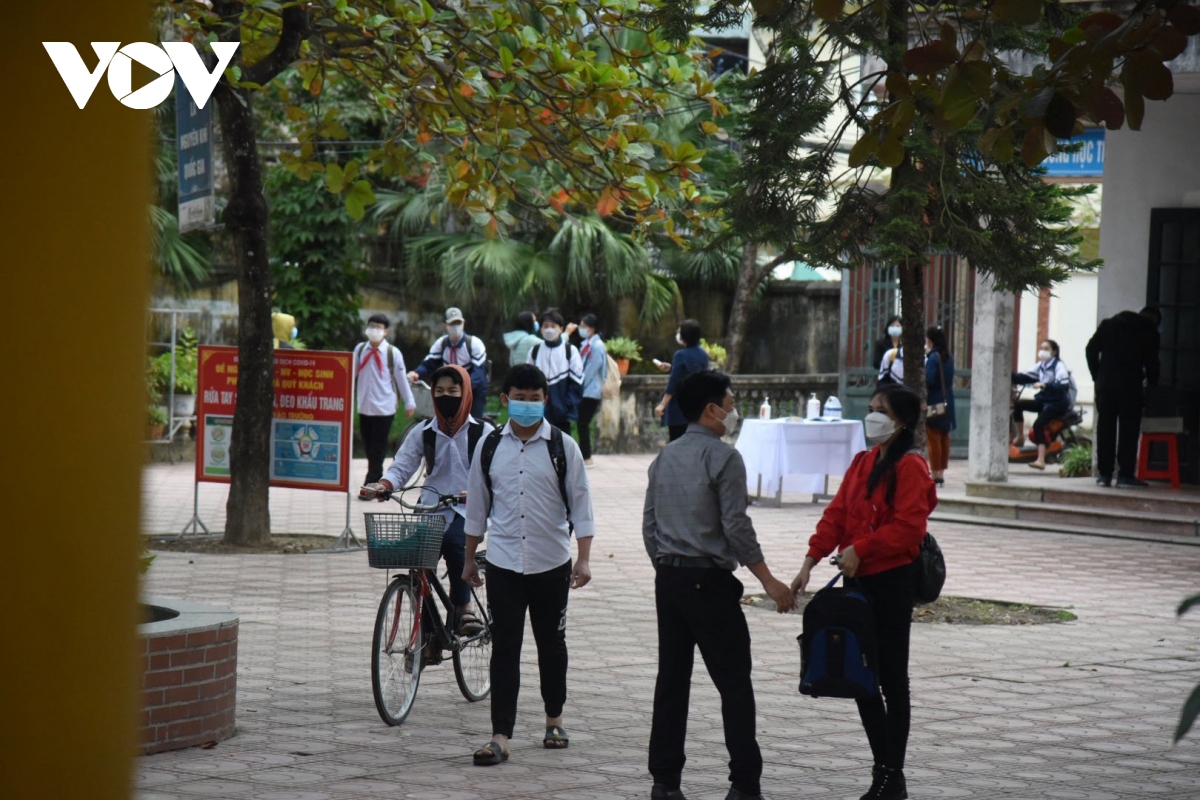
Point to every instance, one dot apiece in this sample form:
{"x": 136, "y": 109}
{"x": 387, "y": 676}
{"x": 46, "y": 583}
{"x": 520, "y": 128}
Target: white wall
{"x": 1156, "y": 167}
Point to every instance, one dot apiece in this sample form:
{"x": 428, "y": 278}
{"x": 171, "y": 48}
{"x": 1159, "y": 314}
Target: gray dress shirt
{"x": 696, "y": 502}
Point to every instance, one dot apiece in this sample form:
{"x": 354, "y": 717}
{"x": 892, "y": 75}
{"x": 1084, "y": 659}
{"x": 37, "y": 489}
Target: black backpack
{"x": 558, "y": 457}
{"x": 474, "y": 432}
{"x": 838, "y": 650}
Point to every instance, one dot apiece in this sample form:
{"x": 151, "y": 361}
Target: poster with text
{"x": 310, "y": 422}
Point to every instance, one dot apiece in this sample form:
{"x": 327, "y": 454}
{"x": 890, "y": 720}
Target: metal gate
{"x": 870, "y": 295}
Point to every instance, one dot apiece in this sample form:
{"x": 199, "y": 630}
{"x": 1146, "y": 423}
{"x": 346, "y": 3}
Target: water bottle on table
{"x": 833, "y": 408}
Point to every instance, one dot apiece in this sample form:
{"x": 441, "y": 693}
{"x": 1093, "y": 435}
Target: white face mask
{"x": 551, "y": 334}
{"x": 730, "y": 422}
{"x": 586, "y": 333}
{"x": 455, "y": 331}
{"x": 1043, "y": 355}
{"x": 879, "y": 427}
{"x": 895, "y": 331}
{"x": 679, "y": 339}
{"x": 375, "y": 335}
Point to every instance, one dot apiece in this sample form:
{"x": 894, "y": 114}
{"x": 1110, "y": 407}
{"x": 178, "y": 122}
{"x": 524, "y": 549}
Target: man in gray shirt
{"x": 697, "y": 533}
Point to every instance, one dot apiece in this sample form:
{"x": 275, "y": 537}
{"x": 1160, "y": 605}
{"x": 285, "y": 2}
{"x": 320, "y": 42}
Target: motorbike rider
{"x": 1052, "y": 379}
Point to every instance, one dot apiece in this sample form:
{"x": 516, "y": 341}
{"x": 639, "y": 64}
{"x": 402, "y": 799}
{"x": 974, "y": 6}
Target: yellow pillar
{"x": 75, "y": 241}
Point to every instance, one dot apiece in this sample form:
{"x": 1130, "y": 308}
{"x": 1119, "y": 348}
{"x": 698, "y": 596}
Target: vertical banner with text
{"x": 194, "y": 129}
{"x": 310, "y": 423}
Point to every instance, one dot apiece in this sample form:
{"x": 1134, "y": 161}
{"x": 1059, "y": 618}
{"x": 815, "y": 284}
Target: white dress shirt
{"x": 376, "y": 389}
{"x": 527, "y": 528}
{"x": 450, "y": 467}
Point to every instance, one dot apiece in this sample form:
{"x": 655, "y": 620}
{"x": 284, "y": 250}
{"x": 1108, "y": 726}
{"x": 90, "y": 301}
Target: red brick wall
{"x": 189, "y": 688}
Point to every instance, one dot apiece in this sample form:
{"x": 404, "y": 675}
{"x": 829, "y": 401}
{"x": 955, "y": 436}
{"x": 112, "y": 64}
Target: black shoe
{"x": 1104, "y": 480}
{"x": 661, "y": 792}
{"x": 886, "y": 784}
{"x": 1130, "y": 483}
{"x": 735, "y": 794}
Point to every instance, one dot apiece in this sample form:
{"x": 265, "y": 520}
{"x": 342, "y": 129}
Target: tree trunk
{"x": 749, "y": 277}
{"x": 248, "y": 519}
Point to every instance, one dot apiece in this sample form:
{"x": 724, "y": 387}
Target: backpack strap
{"x": 558, "y": 457}
{"x": 430, "y": 442}
{"x": 533, "y": 353}
{"x": 474, "y": 434}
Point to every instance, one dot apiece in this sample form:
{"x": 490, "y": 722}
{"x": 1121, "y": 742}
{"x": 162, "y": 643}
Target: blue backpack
{"x": 838, "y": 656}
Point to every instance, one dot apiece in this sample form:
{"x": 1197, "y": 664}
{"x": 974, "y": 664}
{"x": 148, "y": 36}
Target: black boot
{"x": 661, "y": 792}
{"x": 886, "y": 784}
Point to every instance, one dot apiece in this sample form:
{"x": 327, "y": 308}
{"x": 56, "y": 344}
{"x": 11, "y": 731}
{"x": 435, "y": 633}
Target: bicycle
{"x": 409, "y": 634}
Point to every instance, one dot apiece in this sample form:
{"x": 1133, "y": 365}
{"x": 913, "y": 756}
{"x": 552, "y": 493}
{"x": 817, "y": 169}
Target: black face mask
{"x": 448, "y": 406}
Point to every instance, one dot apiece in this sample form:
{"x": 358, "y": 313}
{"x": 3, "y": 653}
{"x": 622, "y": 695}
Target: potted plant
{"x": 156, "y": 422}
{"x": 716, "y": 354}
{"x": 1076, "y": 462}
{"x": 623, "y": 350}
{"x": 186, "y": 372}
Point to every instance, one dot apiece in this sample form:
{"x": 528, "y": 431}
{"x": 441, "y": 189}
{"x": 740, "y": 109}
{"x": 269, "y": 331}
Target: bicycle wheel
{"x": 419, "y": 473}
{"x": 472, "y": 661}
{"x": 396, "y": 652}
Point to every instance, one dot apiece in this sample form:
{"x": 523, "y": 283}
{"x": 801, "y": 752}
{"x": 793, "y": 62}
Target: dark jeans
{"x": 454, "y": 551}
{"x": 886, "y": 719}
{"x": 478, "y": 405}
{"x": 588, "y": 407}
{"x": 701, "y": 607}
{"x": 375, "y": 431}
{"x": 1045, "y": 412}
{"x": 675, "y": 431}
{"x": 1118, "y": 425}
{"x": 509, "y": 594}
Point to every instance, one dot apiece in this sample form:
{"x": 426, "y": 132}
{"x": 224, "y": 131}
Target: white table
{"x": 797, "y": 455}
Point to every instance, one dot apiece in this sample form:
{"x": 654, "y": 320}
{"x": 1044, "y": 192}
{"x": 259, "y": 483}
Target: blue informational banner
{"x": 193, "y": 127}
{"x": 1087, "y": 162}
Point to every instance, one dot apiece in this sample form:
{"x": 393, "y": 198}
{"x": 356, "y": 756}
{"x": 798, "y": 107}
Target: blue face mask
{"x": 526, "y": 413}
{"x": 536, "y": 326}
{"x": 295, "y": 332}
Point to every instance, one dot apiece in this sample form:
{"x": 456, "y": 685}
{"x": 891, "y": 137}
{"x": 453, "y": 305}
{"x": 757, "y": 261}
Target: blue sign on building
{"x": 1087, "y": 162}
{"x": 193, "y": 127}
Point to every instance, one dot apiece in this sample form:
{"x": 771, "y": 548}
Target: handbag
{"x": 929, "y": 572}
{"x": 938, "y": 410}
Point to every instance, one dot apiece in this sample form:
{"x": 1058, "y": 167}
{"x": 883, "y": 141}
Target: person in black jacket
{"x": 1121, "y": 355}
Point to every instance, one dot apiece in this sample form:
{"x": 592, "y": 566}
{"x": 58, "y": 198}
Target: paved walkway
{"x": 1077, "y": 710}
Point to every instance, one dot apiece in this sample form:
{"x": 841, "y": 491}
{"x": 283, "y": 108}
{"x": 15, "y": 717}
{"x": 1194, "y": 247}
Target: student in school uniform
{"x": 560, "y": 362}
{"x": 444, "y": 444}
{"x": 528, "y": 490}
{"x": 459, "y": 347}
{"x": 379, "y": 373}
{"x": 595, "y": 371}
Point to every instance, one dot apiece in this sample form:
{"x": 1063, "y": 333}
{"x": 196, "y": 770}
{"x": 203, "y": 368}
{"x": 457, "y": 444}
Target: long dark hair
{"x": 906, "y": 409}
{"x": 937, "y": 338}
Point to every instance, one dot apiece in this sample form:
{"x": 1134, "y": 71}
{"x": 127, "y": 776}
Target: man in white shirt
{"x": 528, "y": 490}
{"x": 446, "y": 441}
{"x": 468, "y": 352}
{"x": 379, "y": 371}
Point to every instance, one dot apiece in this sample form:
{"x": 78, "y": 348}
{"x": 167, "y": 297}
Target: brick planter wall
{"x": 189, "y": 677}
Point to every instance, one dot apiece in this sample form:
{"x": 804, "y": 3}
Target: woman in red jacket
{"x": 876, "y": 523}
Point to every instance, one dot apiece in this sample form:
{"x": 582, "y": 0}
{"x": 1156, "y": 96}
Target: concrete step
{"x": 1057, "y": 516}
{"x": 1083, "y": 492}
{"x": 1015, "y": 524}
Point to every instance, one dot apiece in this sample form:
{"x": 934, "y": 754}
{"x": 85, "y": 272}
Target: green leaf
{"x": 862, "y": 150}
{"x": 891, "y": 153}
{"x": 506, "y": 59}
{"x": 829, "y": 10}
{"x": 1191, "y": 709}
{"x": 335, "y": 178}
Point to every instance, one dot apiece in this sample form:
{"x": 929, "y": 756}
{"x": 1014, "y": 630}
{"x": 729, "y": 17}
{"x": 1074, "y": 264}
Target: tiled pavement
{"x": 1078, "y": 710}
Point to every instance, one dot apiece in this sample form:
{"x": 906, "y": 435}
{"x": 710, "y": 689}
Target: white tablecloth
{"x": 799, "y": 453}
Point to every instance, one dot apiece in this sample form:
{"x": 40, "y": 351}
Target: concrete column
{"x": 991, "y": 373}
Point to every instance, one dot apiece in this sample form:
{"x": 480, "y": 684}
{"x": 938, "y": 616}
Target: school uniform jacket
{"x": 883, "y": 536}
{"x": 563, "y": 368}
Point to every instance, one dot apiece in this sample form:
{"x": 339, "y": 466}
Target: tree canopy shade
{"x": 476, "y": 92}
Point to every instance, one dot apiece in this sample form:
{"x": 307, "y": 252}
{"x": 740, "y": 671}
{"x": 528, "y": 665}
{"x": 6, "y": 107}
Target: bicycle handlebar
{"x": 444, "y": 501}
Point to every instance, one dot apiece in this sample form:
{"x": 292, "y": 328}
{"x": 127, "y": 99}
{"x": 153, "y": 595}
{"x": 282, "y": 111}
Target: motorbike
{"x": 1063, "y": 433}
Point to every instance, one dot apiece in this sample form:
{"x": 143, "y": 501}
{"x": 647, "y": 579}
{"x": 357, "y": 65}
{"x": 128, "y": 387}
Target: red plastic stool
{"x": 1171, "y": 473}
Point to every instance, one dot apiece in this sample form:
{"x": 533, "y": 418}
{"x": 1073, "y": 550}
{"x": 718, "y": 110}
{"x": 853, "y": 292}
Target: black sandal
{"x": 469, "y": 624}
{"x": 556, "y": 738}
{"x": 496, "y": 755}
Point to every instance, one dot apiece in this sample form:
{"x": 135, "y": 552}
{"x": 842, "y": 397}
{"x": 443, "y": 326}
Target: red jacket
{"x": 884, "y": 537}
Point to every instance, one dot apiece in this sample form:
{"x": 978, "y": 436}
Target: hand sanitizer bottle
{"x": 814, "y": 407}
{"x": 764, "y": 411}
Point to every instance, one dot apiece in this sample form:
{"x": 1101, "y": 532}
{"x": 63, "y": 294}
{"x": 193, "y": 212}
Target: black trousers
{"x": 1045, "y": 412}
{"x": 588, "y": 407}
{"x": 675, "y": 431}
{"x": 375, "y": 431}
{"x": 886, "y": 719}
{"x": 700, "y": 607}
{"x": 544, "y": 595}
{"x": 1118, "y": 425}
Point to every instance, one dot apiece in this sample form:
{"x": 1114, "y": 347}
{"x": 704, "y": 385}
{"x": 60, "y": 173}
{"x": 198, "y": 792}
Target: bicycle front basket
{"x": 404, "y": 541}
